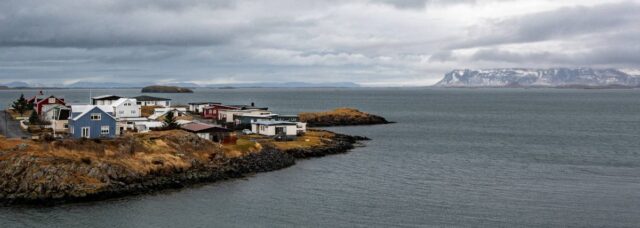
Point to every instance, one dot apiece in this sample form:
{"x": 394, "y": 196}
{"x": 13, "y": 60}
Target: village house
{"x": 58, "y": 116}
{"x": 104, "y": 99}
{"x": 211, "y": 112}
{"x": 126, "y": 108}
{"x": 210, "y": 132}
{"x": 92, "y": 121}
{"x": 227, "y": 116}
{"x": 284, "y": 129}
{"x": 153, "y": 101}
{"x": 40, "y": 103}
{"x": 198, "y": 107}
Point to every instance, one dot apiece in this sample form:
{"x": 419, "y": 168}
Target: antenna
{"x": 90, "y": 101}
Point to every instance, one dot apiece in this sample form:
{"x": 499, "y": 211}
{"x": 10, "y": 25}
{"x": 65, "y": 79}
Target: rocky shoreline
{"x": 122, "y": 182}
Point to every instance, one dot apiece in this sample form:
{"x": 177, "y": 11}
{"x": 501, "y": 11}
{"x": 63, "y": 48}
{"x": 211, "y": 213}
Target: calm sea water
{"x": 456, "y": 157}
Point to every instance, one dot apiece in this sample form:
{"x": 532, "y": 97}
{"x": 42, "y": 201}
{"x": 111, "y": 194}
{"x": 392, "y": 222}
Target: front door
{"x": 85, "y": 132}
{"x": 280, "y": 130}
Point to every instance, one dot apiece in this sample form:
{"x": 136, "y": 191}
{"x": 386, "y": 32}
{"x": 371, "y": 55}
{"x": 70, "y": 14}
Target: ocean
{"x": 455, "y": 158}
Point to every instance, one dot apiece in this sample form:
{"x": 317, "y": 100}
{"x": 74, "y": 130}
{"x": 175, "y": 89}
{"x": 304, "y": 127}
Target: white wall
{"x": 129, "y": 108}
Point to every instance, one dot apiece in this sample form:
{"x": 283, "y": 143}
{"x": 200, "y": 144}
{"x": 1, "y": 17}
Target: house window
{"x": 121, "y": 112}
{"x": 66, "y": 126}
{"x": 133, "y": 111}
{"x": 104, "y": 130}
{"x": 85, "y": 133}
{"x": 96, "y": 116}
{"x": 52, "y": 100}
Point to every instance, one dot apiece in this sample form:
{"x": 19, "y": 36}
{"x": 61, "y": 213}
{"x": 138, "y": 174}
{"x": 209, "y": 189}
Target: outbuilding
{"x": 275, "y": 128}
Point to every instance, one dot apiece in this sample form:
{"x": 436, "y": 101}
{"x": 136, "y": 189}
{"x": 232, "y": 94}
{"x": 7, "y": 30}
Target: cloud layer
{"x": 374, "y": 42}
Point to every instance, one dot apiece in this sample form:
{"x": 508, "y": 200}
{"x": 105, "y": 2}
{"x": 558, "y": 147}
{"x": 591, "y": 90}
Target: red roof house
{"x": 45, "y": 101}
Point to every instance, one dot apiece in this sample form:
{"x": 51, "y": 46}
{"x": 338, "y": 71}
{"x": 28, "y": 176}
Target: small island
{"x": 71, "y": 170}
{"x": 165, "y": 89}
{"x": 341, "y": 117}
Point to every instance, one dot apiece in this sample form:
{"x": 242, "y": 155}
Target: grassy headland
{"x": 340, "y": 117}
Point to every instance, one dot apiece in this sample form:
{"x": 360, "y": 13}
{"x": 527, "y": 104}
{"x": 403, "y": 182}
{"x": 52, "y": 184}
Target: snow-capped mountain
{"x": 553, "y": 77}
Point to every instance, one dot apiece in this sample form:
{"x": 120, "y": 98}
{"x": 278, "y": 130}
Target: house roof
{"x": 46, "y": 99}
{"x": 122, "y": 100}
{"x": 84, "y": 109}
{"x": 159, "y": 114}
{"x": 201, "y": 127}
{"x": 273, "y": 123}
{"x": 106, "y": 97}
{"x": 150, "y": 98}
{"x": 251, "y": 115}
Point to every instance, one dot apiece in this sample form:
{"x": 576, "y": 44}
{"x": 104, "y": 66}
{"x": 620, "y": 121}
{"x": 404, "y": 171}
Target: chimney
{"x": 252, "y": 104}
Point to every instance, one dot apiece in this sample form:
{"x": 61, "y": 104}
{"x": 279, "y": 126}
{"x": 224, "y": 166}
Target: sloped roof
{"x": 50, "y": 107}
{"x": 200, "y": 127}
{"x": 106, "y": 97}
{"x": 122, "y": 100}
{"x": 84, "y": 109}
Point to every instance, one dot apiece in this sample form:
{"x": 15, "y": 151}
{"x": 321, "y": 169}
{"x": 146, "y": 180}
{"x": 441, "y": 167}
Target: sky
{"x": 370, "y": 42}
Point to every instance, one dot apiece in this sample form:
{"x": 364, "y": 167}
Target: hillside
{"x": 553, "y": 77}
{"x": 165, "y": 89}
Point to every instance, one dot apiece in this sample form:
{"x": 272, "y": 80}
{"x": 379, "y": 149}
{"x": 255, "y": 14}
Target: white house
{"x": 126, "y": 108}
{"x": 159, "y": 113}
{"x": 153, "y": 101}
{"x": 58, "y": 116}
{"x": 228, "y": 116}
{"x": 146, "y": 126}
{"x": 197, "y": 107}
{"x": 275, "y": 128}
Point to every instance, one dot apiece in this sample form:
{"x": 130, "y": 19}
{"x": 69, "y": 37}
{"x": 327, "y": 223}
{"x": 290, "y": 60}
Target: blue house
{"x": 92, "y": 121}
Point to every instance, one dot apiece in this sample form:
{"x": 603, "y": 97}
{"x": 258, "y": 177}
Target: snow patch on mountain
{"x": 527, "y": 77}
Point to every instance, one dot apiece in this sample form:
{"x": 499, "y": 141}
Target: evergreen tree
{"x": 21, "y": 105}
{"x": 170, "y": 121}
{"x": 34, "y": 118}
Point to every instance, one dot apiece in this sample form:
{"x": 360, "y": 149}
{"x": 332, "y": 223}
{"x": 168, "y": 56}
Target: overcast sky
{"x": 371, "y": 42}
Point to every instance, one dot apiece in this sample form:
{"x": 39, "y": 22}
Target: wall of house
{"x": 103, "y": 102}
{"x": 130, "y": 108}
{"x": 47, "y": 101}
{"x": 75, "y": 126}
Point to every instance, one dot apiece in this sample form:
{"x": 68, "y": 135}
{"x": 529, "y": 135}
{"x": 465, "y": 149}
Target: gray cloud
{"x": 367, "y": 41}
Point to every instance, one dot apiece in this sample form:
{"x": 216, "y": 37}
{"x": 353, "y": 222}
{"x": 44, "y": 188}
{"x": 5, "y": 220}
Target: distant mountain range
{"x": 83, "y": 84}
{"x": 552, "y": 77}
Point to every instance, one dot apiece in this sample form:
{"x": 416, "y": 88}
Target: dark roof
{"x": 150, "y": 98}
{"x": 199, "y": 103}
{"x": 106, "y": 97}
{"x": 199, "y": 127}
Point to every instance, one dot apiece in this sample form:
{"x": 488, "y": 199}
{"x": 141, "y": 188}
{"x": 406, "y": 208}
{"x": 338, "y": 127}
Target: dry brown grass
{"x": 309, "y": 139}
{"x": 146, "y": 111}
{"x": 338, "y": 112}
{"x": 243, "y": 146}
{"x": 135, "y": 152}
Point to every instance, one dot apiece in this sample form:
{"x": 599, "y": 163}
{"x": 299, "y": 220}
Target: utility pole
{"x": 6, "y": 133}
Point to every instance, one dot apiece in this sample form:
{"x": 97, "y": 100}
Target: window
{"x": 133, "y": 111}
{"x": 104, "y": 130}
{"x": 96, "y": 116}
{"x": 121, "y": 112}
{"x": 66, "y": 126}
{"x": 52, "y": 100}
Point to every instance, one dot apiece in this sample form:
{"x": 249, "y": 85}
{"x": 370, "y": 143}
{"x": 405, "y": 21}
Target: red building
{"x": 211, "y": 112}
{"x": 39, "y": 103}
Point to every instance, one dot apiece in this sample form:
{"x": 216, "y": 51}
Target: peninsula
{"x": 71, "y": 170}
